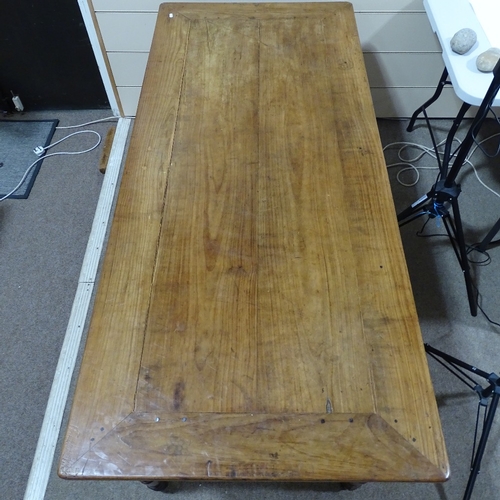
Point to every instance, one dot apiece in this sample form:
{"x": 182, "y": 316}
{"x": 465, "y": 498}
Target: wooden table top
{"x": 254, "y": 317}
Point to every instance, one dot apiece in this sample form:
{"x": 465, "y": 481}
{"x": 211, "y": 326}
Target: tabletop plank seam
{"x": 162, "y": 217}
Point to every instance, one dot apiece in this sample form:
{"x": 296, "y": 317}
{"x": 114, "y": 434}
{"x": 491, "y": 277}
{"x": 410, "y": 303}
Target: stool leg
{"x": 483, "y": 246}
{"x": 442, "y": 82}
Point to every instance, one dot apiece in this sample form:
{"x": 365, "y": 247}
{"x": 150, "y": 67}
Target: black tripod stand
{"x": 454, "y": 365}
{"x": 444, "y": 193}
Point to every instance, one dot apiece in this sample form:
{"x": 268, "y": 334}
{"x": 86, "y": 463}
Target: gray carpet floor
{"x": 42, "y": 243}
{"x": 16, "y": 152}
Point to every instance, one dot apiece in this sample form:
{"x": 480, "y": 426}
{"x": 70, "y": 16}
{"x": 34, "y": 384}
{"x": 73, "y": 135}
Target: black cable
{"x": 474, "y": 248}
{"x": 469, "y": 248}
{"x": 478, "y": 297}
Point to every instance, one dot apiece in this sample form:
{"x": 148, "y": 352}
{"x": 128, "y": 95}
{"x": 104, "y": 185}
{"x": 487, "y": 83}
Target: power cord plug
{"x": 39, "y": 151}
{"x": 17, "y": 102}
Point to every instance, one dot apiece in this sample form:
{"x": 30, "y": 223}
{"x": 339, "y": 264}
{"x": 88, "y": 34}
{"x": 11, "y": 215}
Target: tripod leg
{"x": 487, "y": 240}
{"x": 461, "y": 252}
{"x": 414, "y": 209}
{"x": 451, "y": 135}
{"x": 484, "y": 394}
{"x": 481, "y": 446}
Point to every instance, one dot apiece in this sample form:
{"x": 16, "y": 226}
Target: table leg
{"x": 161, "y": 486}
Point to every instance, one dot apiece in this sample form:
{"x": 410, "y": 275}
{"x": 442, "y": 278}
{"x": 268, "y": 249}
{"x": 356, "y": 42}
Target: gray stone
{"x": 487, "y": 61}
{"x": 463, "y": 40}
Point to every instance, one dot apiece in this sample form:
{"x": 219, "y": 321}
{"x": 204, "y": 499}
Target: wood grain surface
{"x": 254, "y": 318}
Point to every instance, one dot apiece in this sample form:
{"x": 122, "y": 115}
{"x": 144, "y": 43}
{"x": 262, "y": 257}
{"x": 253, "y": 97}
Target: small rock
{"x": 487, "y": 61}
{"x": 463, "y": 40}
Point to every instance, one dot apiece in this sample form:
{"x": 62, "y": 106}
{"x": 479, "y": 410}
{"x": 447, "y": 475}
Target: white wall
{"x": 402, "y": 54}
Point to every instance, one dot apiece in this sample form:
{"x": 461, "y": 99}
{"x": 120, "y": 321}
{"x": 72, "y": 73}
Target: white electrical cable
{"x": 71, "y": 135}
{"x": 43, "y": 156}
{"x": 474, "y": 168}
{"x": 109, "y": 118}
{"x": 408, "y": 165}
{"x": 408, "y": 162}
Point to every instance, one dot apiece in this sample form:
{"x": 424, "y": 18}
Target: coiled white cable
{"x": 408, "y": 163}
{"x": 40, "y": 151}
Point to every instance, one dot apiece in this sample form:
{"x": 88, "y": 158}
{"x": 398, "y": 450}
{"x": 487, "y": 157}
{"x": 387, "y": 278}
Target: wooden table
{"x": 254, "y": 318}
